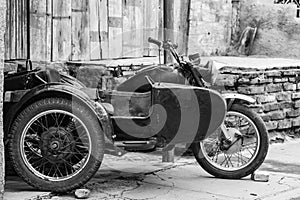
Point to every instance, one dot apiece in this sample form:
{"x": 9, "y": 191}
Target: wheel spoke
{"x": 239, "y": 154}
{"x": 56, "y": 145}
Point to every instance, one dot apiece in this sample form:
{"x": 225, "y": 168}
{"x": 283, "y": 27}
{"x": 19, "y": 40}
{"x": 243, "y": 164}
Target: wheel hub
{"x": 235, "y": 141}
{"x": 57, "y": 144}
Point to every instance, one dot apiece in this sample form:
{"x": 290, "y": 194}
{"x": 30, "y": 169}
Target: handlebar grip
{"x": 154, "y": 41}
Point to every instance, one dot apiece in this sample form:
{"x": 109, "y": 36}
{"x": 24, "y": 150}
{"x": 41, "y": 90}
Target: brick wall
{"x": 2, "y": 31}
{"x": 210, "y": 26}
{"x": 277, "y": 94}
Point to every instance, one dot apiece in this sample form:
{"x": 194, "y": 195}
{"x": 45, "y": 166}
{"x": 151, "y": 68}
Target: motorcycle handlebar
{"x": 154, "y": 41}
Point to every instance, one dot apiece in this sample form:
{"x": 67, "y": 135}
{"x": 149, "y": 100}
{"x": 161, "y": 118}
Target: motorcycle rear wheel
{"x": 56, "y": 144}
{"x": 245, "y": 155}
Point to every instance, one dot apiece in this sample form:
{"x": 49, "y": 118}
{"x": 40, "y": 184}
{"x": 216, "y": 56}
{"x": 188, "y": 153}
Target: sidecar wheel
{"x": 244, "y": 156}
{"x": 56, "y": 144}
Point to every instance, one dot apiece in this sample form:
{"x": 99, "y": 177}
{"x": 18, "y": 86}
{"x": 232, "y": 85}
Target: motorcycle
{"x": 57, "y": 130}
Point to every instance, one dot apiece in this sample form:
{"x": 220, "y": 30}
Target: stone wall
{"x": 277, "y": 94}
{"x": 210, "y": 26}
{"x": 2, "y": 31}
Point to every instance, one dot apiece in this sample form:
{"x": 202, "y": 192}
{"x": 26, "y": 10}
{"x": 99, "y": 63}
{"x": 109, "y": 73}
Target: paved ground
{"x": 140, "y": 176}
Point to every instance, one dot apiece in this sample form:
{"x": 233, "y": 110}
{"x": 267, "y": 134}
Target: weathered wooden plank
{"x": 38, "y": 42}
{"x": 183, "y": 27}
{"x": 115, "y": 28}
{"x": 37, "y": 37}
{"x": 61, "y": 8}
{"x": 95, "y": 44}
{"x": 38, "y": 6}
{"x": 103, "y": 28}
{"x": 80, "y": 36}
{"x": 80, "y": 5}
{"x": 24, "y": 33}
{"x": 13, "y": 29}
{"x": 151, "y": 24}
{"x": 61, "y": 33}
{"x": 61, "y": 42}
{"x": 8, "y": 32}
{"x": 161, "y": 20}
{"x": 20, "y": 27}
{"x": 132, "y": 28}
{"x": 49, "y": 31}
{"x": 80, "y": 30}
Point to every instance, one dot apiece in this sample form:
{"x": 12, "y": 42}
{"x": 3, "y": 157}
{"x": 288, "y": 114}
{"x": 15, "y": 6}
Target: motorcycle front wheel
{"x": 56, "y": 144}
{"x": 242, "y": 154}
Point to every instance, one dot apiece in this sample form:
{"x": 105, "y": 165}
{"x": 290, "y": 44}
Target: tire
{"x": 63, "y": 153}
{"x": 209, "y": 161}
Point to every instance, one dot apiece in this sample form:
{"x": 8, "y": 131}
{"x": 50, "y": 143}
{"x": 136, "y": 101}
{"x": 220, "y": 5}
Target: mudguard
{"x": 23, "y": 98}
{"x": 232, "y": 97}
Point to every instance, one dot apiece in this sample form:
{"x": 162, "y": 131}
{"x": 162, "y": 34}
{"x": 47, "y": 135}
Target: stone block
{"x": 274, "y": 88}
{"x": 280, "y": 80}
{"x": 274, "y": 73}
{"x": 82, "y": 193}
{"x": 290, "y": 73}
{"x": 283, "y": 96}
{"x": 260, "y": 80}
{"x": 260, "y": 177}
{"x": 277, "y": 115}
{"x": 297, "y": 104}
{"x": 293, "y": 113}
{"x": 284, "y": 124}
{"x": 271, "y": 125}
{"x": 286, "y": 105}
{"x": 296, "y": 95}
{"x": 265, "y": 98}
{"x": 271, "y": 107}
{"x": 252, "y": 90}
{"x": 292, "y": 80}
{"x": 265, "y": 117}
{"x": 289, "y": 87}
{"x": 296, "y": 122}
{"x": 90, "y": 75}
{"x": 243, "y": 80}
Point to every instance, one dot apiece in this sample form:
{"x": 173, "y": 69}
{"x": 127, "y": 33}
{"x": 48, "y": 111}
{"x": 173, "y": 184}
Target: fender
{"x": 59, "y": 90}
{"x": 232, "y": 97}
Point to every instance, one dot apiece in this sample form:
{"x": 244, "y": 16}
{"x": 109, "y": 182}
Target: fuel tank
{"x": 159, "y": 73}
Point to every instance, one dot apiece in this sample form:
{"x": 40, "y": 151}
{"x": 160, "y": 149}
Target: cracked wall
{"x": 279, "y": 29}
{"x": 210, "y": 26}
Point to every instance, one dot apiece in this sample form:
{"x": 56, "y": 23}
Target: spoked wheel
{"x": 56, "y": 144}
{"x": 242, "y": 154}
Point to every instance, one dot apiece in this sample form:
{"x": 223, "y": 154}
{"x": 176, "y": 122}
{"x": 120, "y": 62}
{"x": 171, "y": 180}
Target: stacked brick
{"x": 277, "y": 94}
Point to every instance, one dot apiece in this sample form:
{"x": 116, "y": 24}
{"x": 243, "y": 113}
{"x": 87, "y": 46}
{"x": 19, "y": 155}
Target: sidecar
{"x": 161, "y": 114}
{"x": 55, "y": 134}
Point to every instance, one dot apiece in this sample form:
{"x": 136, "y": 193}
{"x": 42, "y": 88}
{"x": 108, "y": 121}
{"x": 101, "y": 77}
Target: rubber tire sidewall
{"x": 96, "y": 135}
{"x": 254, "y": 165}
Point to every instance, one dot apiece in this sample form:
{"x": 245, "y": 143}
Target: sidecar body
{"x": 161, "y": 113}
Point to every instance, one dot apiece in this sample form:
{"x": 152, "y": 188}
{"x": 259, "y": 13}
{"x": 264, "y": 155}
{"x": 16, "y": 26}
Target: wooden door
{"x": 80, "y": 30}
{"x": 132, "y": 28}
{"x": 61, "y": 30}
{"x": 16, "y": 30}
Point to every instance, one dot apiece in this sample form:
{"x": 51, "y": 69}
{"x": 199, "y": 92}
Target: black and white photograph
{"x": 150, "y": 99}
